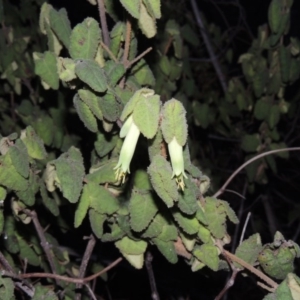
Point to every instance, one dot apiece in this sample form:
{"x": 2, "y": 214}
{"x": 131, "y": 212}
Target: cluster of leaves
{"x": 42, "y": 165}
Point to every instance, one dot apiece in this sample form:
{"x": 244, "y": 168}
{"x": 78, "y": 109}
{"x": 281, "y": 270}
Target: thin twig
{"x": 253, "y": 270}
{"x": 228, "y": 284}
{"x": 26, "y": 287}
{"x": 222, "y": 189}
{"x": 64, "y": 278}
{"x": 85, "y": 260}
{"x": 245, "y": 226}
{"x": 209, "y": 47}
{"x": 44, "y": 243}
{"x": 105, "y": 32}
{"x": 109, "y": 52}
{"x": 154, "y": 292}
{"x": 139, "y": 57}
{"x": 91, "y": 292}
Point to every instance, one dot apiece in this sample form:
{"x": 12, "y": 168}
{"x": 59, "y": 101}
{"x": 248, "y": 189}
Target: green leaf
{"x": 187, "y": 201}
{"x": 143, "y": 74}
{"x": 60, "y": 24}
{"x": 154, "y": 145}
{"x": 132, "y": 6}
{"x": 19, "y": 158}
{"x": 92, "y": 74}
{"x": 26, "y": 252}
{"x": 116, "y": 232}
{"x": 274, "y": 15}
{"x": 70, "y": 173}
{"x": 129, "y": 246}
{"x": 85, "y": 114}
{"x": 208, "y": 254}
{"x": 49, "y": 202}
{"x": 229, "y": 212}
{"x": 84, "y": 39}
{"x": 169, "y": 233}
{"x": 216, "y": 217}
{"x": 174, "y": 122}
{"x": 189, "y": 35}
{"x": 262, "y": 109}
{"x": 274, "y": 116}
{"x": 114, "y": 72}
{"x": 97, "y": 220}
{"x": 109, "y": 107}
{"x": 249, "y": 249}
{"x": 82, "y": 207}
{"x": 155, "y": 227}
{"x": 92, "y": 101}
{"x": 142, "y": 208}
{"x": 1, "y": 221}
{"x": 105, "y": 143}
{"x": 46, "y": 68}
{"x": 146, "y": 115}
{"x": 189, "y": 224}
{"x": 160, "y": 173}
{"x": 153, "y": 7}
{"x": 141, "y": 180}
{"x": 202, "y": 112}
{"x": 146, "y": 23}
{"x": 44, "y": 128}
{"x": 167, "y": 249}
{"x": 101, "y": 199}
{"x": 6, "y": 288}
{"x": 43, "y": 292}
{"x": 204, "y": 234}
{"x": 250, "y": 142}
{"x": 33, "y": 143}
{"x": 28, "y": 196}
{"x": 9, "y": 177}
{"x": 104, "y": 173}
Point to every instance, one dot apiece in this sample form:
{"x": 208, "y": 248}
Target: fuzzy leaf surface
{"x": 84, "y": 39}
{"x": 19, "y": 157}
{"x": 160, "y": 172}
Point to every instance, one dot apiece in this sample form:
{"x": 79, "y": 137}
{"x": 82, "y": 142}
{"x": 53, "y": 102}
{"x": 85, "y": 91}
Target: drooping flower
{"x": 176, "y": 155}
{"x": 131, "y": 133}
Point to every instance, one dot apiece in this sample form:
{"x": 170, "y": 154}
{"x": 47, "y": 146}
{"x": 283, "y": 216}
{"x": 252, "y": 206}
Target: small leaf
{"x": 92, "y": 74}
{"x": 33, "y": 143}
{"x": 262, "y": 109}
{"x": 109, "y": 107}
{"x": 208, "y": 254}
{"x": 60, "y": 24}
{"x": 142, "y": 208}
{"x": 43, "y": 292}
{"x": 114, "y": 72}
{"x": 97, "y": 220}
{"x": 6, "y": 288}
{"x": 129, "y": 246}
{"x": 132, "y": 6}
{"x": 84, "y": 39}
{"x": 9, "y": 177}
{"x": 153, "y": 7}
{"x": 174, "y": 122}
{"x": 19, "y": 157}
{"x": 249, "y": 249}
{"x": 101, "y": 200}
{"x": 49, "y": 202}
{"x": 146, "y": 23}
{"x": 82, "y": 207}
{"x": 46, "y": 68}
{"x": 167, "y": 249}
{"x": 160, "y": 173}
{"x": 187, "y": 201}
{"x": 85, "y": 114}
{"x": 274, "y": 116}
{"x": 189, "y": 224}
{"x": 155, "y": 227}
{"x": 146, "y": 115}
{"x": 70, "y": 172}
{"x": 92, "y": 101}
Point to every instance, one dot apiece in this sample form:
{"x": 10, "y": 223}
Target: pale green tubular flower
{"x": 176, "y": 155}
{"x": 131, "y": 133}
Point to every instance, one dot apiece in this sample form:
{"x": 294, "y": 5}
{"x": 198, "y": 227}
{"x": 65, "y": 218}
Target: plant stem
{"x": 105, "y": 32}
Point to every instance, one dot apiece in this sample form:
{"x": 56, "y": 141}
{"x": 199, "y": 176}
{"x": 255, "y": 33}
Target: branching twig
{"x": 27, "y": 288}
{"x": 253, "y": 270}
{"x": 228, "y": 285}
{"x": 44, "y": 243}
{"x": 109, "y": 52}
{"x": 64, "y": 278}
{"x": 209, "y": 47}
{"x": 148, "y": 262}
{"x": 85, "y": 260}
{"x": 139, "y": 57}
{"x": 245, "y": 226}
{"x": 222, "y": 189}
{"x": 104, "y": 28}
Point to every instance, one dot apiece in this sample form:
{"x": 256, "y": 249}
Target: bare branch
{"x": 154, "y": 292}
{"x": 104, "y": 28}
